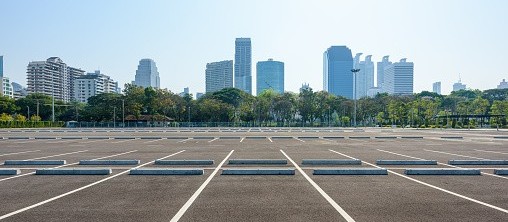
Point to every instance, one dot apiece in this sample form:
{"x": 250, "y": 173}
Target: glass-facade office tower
{"x": 243, "y": 64}
{"x": 337, "y": 75}
{"x": 147, "y": 74}
{"x": 1, "y": 66}
{"x": 219, "y": 75}
{"x": 381, "y": 70}
{"x": 365, "y": 77}
{"x": 270, "y": 75}
{"x": 398, "y": 78}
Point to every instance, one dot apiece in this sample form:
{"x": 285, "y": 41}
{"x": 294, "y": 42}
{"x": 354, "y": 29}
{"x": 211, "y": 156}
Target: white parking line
{"x": 95, "y": 140}
{"x": 70, "y": 164}
{"x": 78, "y": 189}
{"x": 63, "y": 154}
{"x": 299, "y": 139}
{"x": 271, "y": 141}
{"x": 430, "y": 185}
{"x": 488, "y": 151}
{"x": 8, "y": 154}
{"x": 123, "y": 141}
{"x": 339, "y": 209}
{"x": 216, "y": 138}
{"x": 189, "y": 202}
{"x": 152, "y": 141}
{"x": 472, "y": 157}
{"x": 185, "y": 140}
{"x": 241, "y": 140}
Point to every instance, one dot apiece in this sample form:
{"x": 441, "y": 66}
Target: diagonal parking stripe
{"x": 430, "y": 185}
{"x": 81, "y": 188}
{"x": 8, "y": 154}
{"x": 63, "y": 154}
{"x": 339, "y": 209}
{"x": 189, "y": 202}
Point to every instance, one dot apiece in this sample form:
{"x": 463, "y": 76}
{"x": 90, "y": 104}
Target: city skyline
{"x": 175, "y": 39}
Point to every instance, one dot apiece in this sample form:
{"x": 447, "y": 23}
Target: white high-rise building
{"x": 503, "y": 85}
{"x": 459, "y": 86}
{"x": 398, "y": 78}
{"x": 219, "y": 75}
{"x": 436, "y": 87}
{"x": 93, "y": 84}
{"x": 53, "y": 78}
{"x": 147, "y": 74}
{"x": 7, "y": 88}
{"x": 381, "y": 70}
{"x": 365, "y": 77}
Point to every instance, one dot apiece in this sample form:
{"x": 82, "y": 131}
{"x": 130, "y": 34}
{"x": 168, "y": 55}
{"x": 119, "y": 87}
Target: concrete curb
{"x": 478, "y": 162}
{"x": 406, "y": 162}
{"x": 258, "y": 161}
{"x": 6, "y": 171}
{"x": 109, "y": 162}
{"x": 351, "y": 171}
{"x": 73, "y": 171}
{"x": 34, "y": 162}
{"x": 441, "y": 171}
{"x": 258, "y": 172}
{"x": 162, "y": 171}
{"x": 184, "y": 162}
{"x": 331, "y": 162}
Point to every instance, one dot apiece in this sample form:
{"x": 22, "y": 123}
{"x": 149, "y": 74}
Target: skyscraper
{"x": 365, "y": 77}
{"x": 270, "y": 75}
{"x": 243, "y": 64}
{"x": 398, "y": 78}
{"x": 380, "y": 72}
{"x": 219, "y": 75}
{"x": 337, "y": 75}
{"x": 147, "y": 74}
{"x": 52, "y": 77}
{"x": 436, "y": 87}
{"x": 459, "y": 86}
{"x": 1, "y": 66}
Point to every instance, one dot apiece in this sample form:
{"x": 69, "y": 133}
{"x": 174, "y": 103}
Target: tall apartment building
{"x": 92, "y": 84}
{"x": 398, "y": 78}
{"x": 147, "y": 74}
{"x": 269, "y": 75}
{"x": 503, "y": 85}
{"x": 436, "y": 87}
{"x": 243, "y": 64}
{"x": 381, "y": 71}
{"x": 365, "y": 77}
{"x": 219, "y": 75}
{"x": 337, "y": 75}
{"x": 53, "y": 78}
{"x": 1, "y": 75}
{"x": 6, "y": 88}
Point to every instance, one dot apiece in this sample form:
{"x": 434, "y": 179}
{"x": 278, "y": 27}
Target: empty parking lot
{"x": 254, "y": 174}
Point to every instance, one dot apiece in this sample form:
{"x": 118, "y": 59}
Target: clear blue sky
{"x": 442, "y": 37}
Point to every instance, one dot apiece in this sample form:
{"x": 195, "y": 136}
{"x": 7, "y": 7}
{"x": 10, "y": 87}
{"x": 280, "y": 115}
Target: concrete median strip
{"x": 501, "y": 171}
{"x": 184, "y": 162}
{"x": 108, "y": 162}
{"x": 258, "y": 161}
{"x": 331, "y": 162}
{"x": 73, "y": 171}
{"x": 258, "y": 172}
{"x": 442, "y": 171}
{"x": 406, "y": 162}
{"x": 5, "y": 171}
{"x": 351, "y": 171}
{"x": 161, "y": 171}
{"x": 478, "y": 162}
{"x": 34, "y": 162}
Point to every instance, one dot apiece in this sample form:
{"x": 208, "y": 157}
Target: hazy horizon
{"x": 443, "y": 38}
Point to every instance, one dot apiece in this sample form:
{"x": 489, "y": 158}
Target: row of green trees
{"x": 272, "y": 109}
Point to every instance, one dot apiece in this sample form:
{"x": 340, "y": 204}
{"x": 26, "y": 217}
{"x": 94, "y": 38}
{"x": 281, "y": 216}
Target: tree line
{"x": 464, "y": 108}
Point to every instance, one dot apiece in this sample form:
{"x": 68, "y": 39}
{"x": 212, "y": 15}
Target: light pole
{"x": 123, "y": 113}
{"x": 354, "y": 71}
{"x": 28, "y": 112}
{"x": 189, "y": 118}
{"x": 114, "y": 116}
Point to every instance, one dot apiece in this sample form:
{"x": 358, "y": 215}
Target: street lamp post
{"x": 189, "y": 117}
{"x": 114, "y": 117}
{"x": 123, "y": 113}
{"x": 354, "y": 71}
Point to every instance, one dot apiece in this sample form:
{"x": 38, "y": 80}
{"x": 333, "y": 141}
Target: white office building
{"x": 503, "y": 85}
{"x": 7, "y": 88}
{"x": 365, "y": 77}
{"x": 459, "y": 86}
{"x": 436, "y": 87}
{"x": 219, "y": 75}
{"x": 381, "y": 71}
{"x": 93, "y": 84}
{"x": 398, "y": 78}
